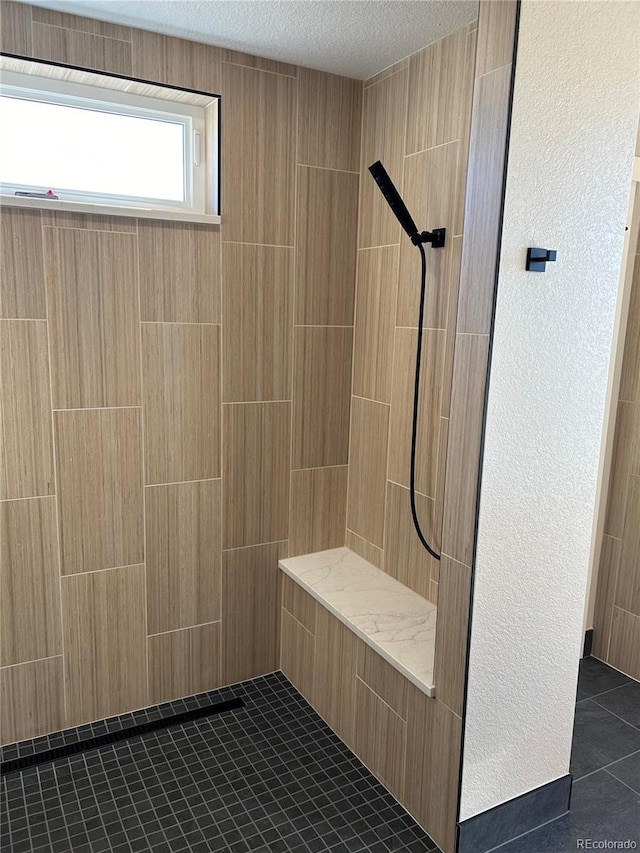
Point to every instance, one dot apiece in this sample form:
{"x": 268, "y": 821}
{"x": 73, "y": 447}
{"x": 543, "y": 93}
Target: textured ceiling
{"x": 356, "y": 38}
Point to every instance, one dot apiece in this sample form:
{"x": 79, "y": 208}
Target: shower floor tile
{"x": 269, "y": 777}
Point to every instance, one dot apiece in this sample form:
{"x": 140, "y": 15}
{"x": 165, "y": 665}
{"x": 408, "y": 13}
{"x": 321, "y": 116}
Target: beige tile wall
{"x": 616, "y": 637}
{"x": 416, "y": 119}
{"x": 410, "y": 742}
{"x": 167, "y": 387}
{"x": 453, "y": 113}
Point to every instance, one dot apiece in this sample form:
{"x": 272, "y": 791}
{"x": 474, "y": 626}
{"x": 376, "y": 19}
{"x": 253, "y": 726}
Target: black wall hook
{"x": 537, "y": 259}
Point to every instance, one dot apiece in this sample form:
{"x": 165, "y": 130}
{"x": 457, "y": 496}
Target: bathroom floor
{"x": 269, "y": 777}
{"x": 605, "y": 762}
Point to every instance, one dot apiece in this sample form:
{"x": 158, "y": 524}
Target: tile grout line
{"x": 606, "y": 766}
{"x": 54, "y": 453}
{"x": 608, "y": 772}
{"x": 143, "y": 468}
{"x": 613, "y": 714}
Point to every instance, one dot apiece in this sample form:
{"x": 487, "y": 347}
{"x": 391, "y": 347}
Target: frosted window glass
{"x": 71, "y": 148}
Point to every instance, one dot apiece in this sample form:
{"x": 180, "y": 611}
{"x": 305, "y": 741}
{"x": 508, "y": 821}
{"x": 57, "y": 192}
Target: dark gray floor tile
{"x": 602, "y": 809}
{"x": 599, "y": 738}
{"x": 596, "y": 677}
{"x": 238, "y": 782}
{"x": 628, "y": 771}
{"x": 623, "y": 702}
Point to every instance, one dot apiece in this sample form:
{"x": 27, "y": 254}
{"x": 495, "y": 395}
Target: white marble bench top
{"x": 395, "y": 621}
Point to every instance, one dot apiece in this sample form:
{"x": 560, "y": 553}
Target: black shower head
{"x": 394, "y": 200}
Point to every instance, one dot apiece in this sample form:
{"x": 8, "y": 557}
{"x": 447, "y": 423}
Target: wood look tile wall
{"x": 416, "y": 120}
{"x": 425, "y": 117}
{"x": 616, "y": 637}
{"x": 149, "y": 375}
{"x": 409, "y": 741}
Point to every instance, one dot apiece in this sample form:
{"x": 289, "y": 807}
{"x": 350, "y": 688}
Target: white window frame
{"x": 200, "y": 129}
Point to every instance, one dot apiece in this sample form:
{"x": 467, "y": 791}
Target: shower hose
{"x": 416, "y": 400}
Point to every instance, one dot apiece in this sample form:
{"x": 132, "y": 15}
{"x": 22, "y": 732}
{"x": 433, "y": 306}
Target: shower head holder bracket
{"x": 435, "y": 237}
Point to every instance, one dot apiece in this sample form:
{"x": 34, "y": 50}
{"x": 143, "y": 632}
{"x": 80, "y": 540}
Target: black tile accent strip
{"x": 490, "y": 829}
{"x": 116, "y": 736}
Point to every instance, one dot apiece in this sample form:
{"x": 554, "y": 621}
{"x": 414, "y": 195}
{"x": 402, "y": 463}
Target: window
{"x": 97, "y": 145}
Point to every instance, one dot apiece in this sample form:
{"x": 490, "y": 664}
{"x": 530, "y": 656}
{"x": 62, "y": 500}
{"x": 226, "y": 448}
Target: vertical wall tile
{"x": 15, "y": 28}
{"x": 630, "y": 377}
{"x": 380, "y": 739}
{"x": 326, "y": 222}
{"x": 179, "y": 272}
{"x": 367, "y": 469}
{"x": 238, "y": 57}
{"x": 383, "y": 123}
{"x": 26, "y": 446}
{"x": 454, "y": 592}
{"x": 256, "y": 441}
{"x": 318, "y": 506}
{"x": 181, "y": 399}
{"x": 104, "y": 643}
{"x": 450, "y": 323}
{"x": 430, "y": 192}
{"x": 329, "y": 115}
{"x": 88, "y": 221}
{"x": 627, "y": 595}
{"x": 29, "y": 581}
{"x": 182, "y": 663}
{"x": 496, "y": 28}
{"x": 365, "y": 549}
{"x": 443, "y": 275}
{"x": 321, "y": 393}
{"x": 463, "y": 451}
{"x": 250, "y": 611}
{"x": 299, "y": 603}
{"x": 404, "y": 556}
{"x": 183, "y": 537}
{"x": 400, "y": 423}
{"x": 177, "y": 62}
{"x": 256, "y": 328}
{"x": 335, "y": 674}
{"x": 624, "y": 648}
{"x": 298, "y": 655}
{"x": 84, "y": 50}
{"x": 433, "y": 758}
{"x": 437, "y": 75}
{"x": 625, "y": 460}
{"x": 82, "y": 24}
{"x": 31, "y": 699}
{"x": 22, "y": 292}
{"x": 606, "y": 580}
{"x": 375, "y": 322}
{"x": 483, "y": 206}
{"x": 386, "y": 681}
{"x": 258, "y": 155}
{"x": 92, "y": 291}
{"x": 100, "y": 488}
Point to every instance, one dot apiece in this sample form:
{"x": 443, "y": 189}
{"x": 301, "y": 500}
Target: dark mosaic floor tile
{"x": 624, "y": 702}
{"x": 602, "y": 810}
{"x": 596, "y": 677}
{"x": 628, "y": 771}
{"x": 271, "y": 777}
{"x": 599, "y": 738}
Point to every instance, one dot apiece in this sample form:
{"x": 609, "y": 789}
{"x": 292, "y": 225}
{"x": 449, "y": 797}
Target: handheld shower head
{"x": 436, "y": 238}
{"x": 395, "y": 202}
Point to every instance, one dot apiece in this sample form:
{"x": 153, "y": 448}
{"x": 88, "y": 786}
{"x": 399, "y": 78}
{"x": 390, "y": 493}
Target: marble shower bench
{"x": 397, "y": 623}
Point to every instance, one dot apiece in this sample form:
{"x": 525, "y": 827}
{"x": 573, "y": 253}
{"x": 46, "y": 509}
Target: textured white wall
{"x": 573, "y": 132}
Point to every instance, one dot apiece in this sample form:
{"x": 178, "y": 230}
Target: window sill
{"x": 108, "y": 209}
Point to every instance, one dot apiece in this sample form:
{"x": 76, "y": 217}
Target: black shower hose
{"x": 416, "y": 400}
